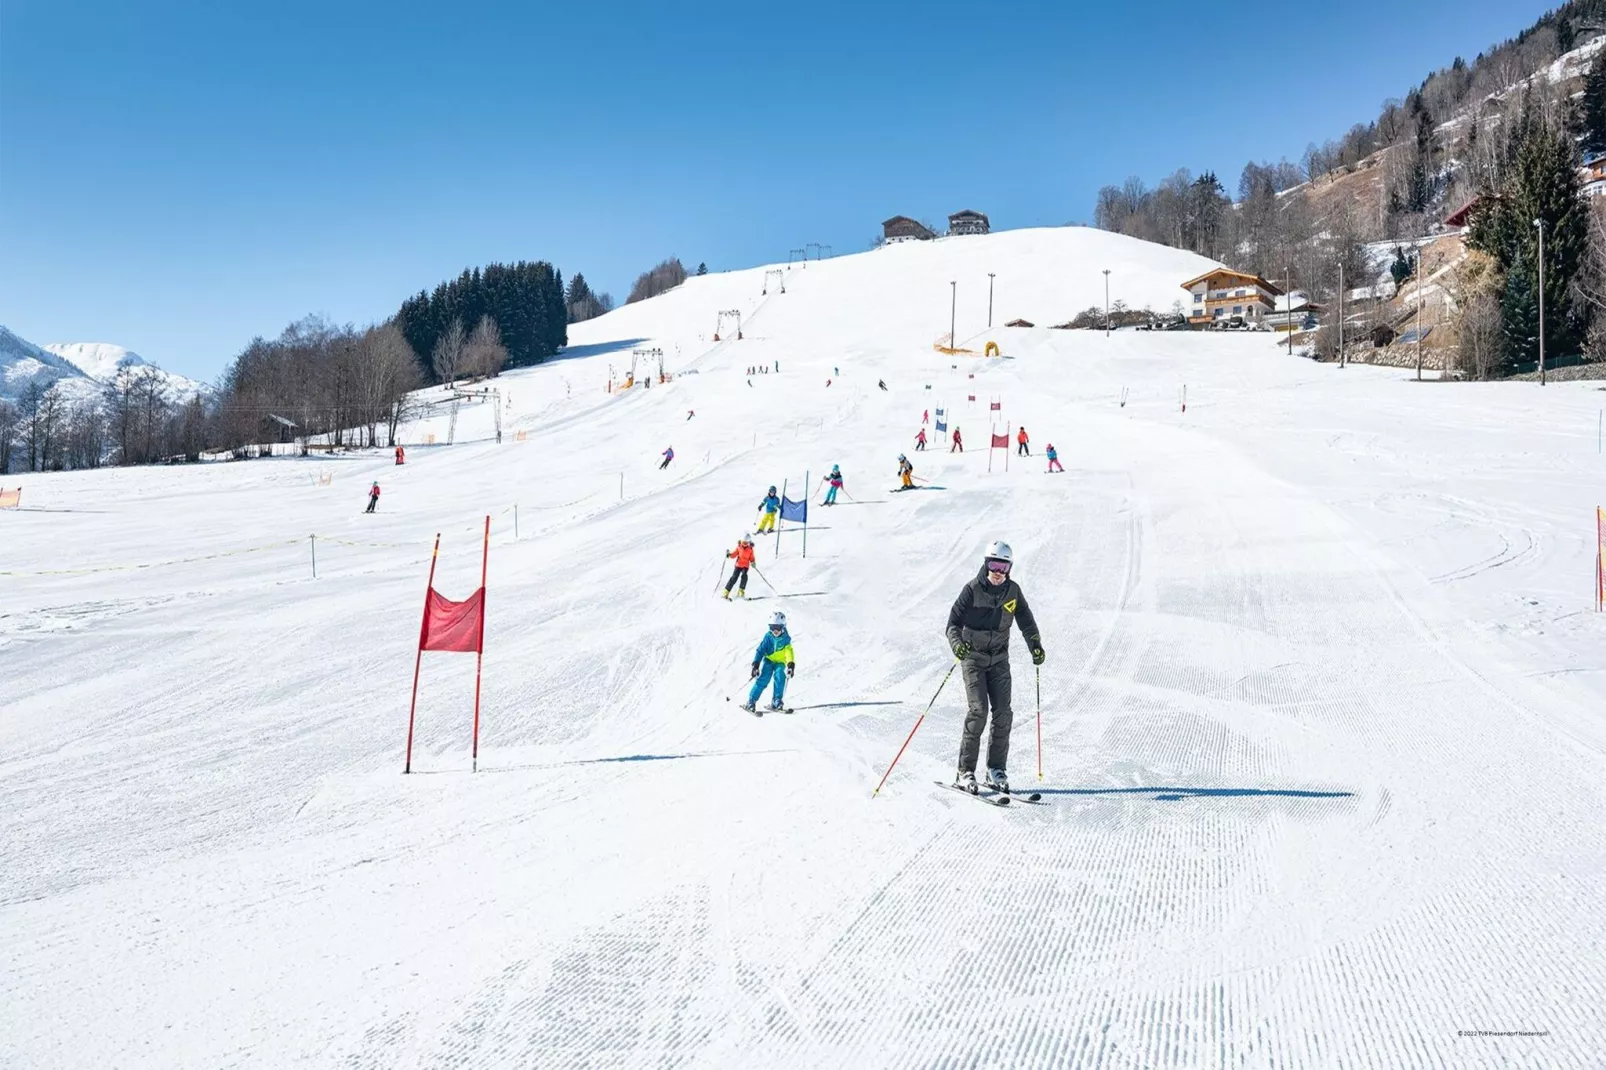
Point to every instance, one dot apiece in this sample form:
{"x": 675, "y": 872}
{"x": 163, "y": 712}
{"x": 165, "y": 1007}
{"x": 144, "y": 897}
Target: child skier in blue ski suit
{"x": 774, "y": 653}
{"x": 771, "y": 505}
{"x": 835, "y": 479}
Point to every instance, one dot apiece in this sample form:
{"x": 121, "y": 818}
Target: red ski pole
{"x": 913, "y": 730}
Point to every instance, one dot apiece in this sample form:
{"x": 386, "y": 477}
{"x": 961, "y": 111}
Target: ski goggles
{"x": 1000, "y": 567}
{"x": 777, "y": 629}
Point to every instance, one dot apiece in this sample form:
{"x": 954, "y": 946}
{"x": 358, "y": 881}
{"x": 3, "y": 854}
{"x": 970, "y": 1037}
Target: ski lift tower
{"x": 780, "y": 277}
{"x": 645, "y": 358}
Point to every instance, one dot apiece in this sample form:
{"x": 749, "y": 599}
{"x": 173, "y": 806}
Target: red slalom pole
{"x": 913, "y": 730}
{"x": 479, "y": 655}
{"x": 423, "y": 633}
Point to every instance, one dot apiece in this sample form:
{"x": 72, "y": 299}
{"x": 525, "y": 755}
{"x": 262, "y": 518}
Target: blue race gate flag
{"x": 797, "y": 513}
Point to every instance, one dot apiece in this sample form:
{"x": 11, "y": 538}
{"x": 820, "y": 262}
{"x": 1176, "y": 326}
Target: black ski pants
{"x": 373, "y": 501}
{"x": 735, "y": 572}
{"x": 1023, "y": 449}
{"x": 987, "y": 686}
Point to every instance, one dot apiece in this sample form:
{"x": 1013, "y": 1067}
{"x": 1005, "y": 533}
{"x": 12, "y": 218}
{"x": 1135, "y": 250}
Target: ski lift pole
{"x": 913, "y": 730}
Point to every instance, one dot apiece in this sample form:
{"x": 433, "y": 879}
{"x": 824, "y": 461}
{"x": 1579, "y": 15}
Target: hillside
{"x": 1320, "y": 746}
{"x": 81, "y": 367}
{"x": 101, "y": 361}
{"x": 22, "y": 362}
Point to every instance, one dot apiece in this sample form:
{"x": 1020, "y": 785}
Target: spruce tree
{"x": 1402, "y": 268}
{"x": 1519, "y": 313}
{"x": 1592, "y": 108}
{"x": 702, "y": 269}
{"x": 1419, "y": 190}
{"x": 1542, "y": 184}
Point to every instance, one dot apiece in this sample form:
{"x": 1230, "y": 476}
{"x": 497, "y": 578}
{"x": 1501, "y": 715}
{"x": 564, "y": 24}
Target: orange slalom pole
{"x": 479, "y": 655}
{"x": 418, "y": 663}
{"x": 913, "y": 730}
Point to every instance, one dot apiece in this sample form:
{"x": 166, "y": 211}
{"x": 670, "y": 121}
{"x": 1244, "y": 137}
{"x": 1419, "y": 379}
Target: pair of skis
{"x": 759, "y": 711}
{"x": 995, "y": 798}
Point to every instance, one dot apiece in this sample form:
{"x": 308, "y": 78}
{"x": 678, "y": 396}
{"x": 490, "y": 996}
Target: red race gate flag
{"x": 457, "y": 627}
{"x": 999, "y": 442}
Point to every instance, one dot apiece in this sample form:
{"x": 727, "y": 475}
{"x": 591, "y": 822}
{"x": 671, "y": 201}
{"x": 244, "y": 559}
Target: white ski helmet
{"x": 998, "y": 550}
{"x": 778, "y": 619}
{"x": 747, "y": 536}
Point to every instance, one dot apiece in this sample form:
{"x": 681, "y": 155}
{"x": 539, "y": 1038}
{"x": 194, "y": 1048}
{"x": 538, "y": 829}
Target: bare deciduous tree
{"x": 8, "y": 430}
{"x": 447, "y": 359}
{"x": 1475, "y": 286}
{"x": 483, "y": 353}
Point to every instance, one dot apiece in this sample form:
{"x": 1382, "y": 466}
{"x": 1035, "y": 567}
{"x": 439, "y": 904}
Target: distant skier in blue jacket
{"x": 773, "y": 655}
{"x": 771, "y": 505}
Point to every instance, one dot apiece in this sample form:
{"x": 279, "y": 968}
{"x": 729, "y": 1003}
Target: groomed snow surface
{"x": 1322, "y": 742}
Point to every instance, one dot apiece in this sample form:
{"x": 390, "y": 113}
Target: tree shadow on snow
{"x": 1176, "y": 794}
{"x": 594, "y": 349}
{"x": 626, "y": 758}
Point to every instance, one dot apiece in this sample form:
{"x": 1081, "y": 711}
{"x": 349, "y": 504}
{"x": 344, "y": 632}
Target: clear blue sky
{"x": 179, "y": 177}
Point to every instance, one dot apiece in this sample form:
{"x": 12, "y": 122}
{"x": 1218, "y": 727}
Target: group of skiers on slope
{"x": 1022, "y": 447}
{"x": 769, "y": 511}
{"x": 978, "y": 634}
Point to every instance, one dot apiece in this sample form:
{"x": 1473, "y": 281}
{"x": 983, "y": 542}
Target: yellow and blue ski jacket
{"x": 776, "y": 648}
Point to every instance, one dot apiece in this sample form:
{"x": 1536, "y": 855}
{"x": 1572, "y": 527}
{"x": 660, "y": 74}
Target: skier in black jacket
{"x": 978, "y": 631}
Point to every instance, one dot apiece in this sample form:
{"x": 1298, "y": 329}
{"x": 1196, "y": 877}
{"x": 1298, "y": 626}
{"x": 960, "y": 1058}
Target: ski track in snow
{"x": 1322, "y": 748}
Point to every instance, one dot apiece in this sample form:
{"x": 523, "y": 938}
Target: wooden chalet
{"x": 902, "y": 228}
{"x": 1225, "y": 296}
{"x": 968, "y": 222}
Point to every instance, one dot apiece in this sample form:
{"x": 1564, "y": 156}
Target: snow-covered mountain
{"x": 102, "y": 361}
{"x": 81, "y": 367}
{"x": 22, "y": 362}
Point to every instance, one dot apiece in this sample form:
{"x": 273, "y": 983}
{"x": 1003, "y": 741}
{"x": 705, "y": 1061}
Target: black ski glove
{"x": 755, "y": 672}
{"x": 790, "y": 667}
{"x": 1036, "y": 645}
{"x": 961, "y": 649}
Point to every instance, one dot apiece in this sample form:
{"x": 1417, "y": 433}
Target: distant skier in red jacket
{"x": 744, "y": 555}
{"x": 373, "y": 497}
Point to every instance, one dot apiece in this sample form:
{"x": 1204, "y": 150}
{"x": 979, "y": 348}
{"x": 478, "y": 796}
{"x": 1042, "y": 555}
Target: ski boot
{"x": 998, "y": 780}
{"x": 750, "y": 706}
{"x": 776, "y": 707}
{"x": 966, "y": 781}
{"x": 742, "y": 593}
{"x": 726, "y": 596}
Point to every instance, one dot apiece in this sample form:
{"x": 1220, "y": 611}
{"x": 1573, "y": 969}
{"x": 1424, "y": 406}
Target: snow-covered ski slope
{"x": 1321, "y": 717}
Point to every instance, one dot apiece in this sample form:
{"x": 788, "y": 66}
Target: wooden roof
{"x": 1459, "y": 217}
{"x": 967, "y": 213}
{"x": 1246, "y": 276}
